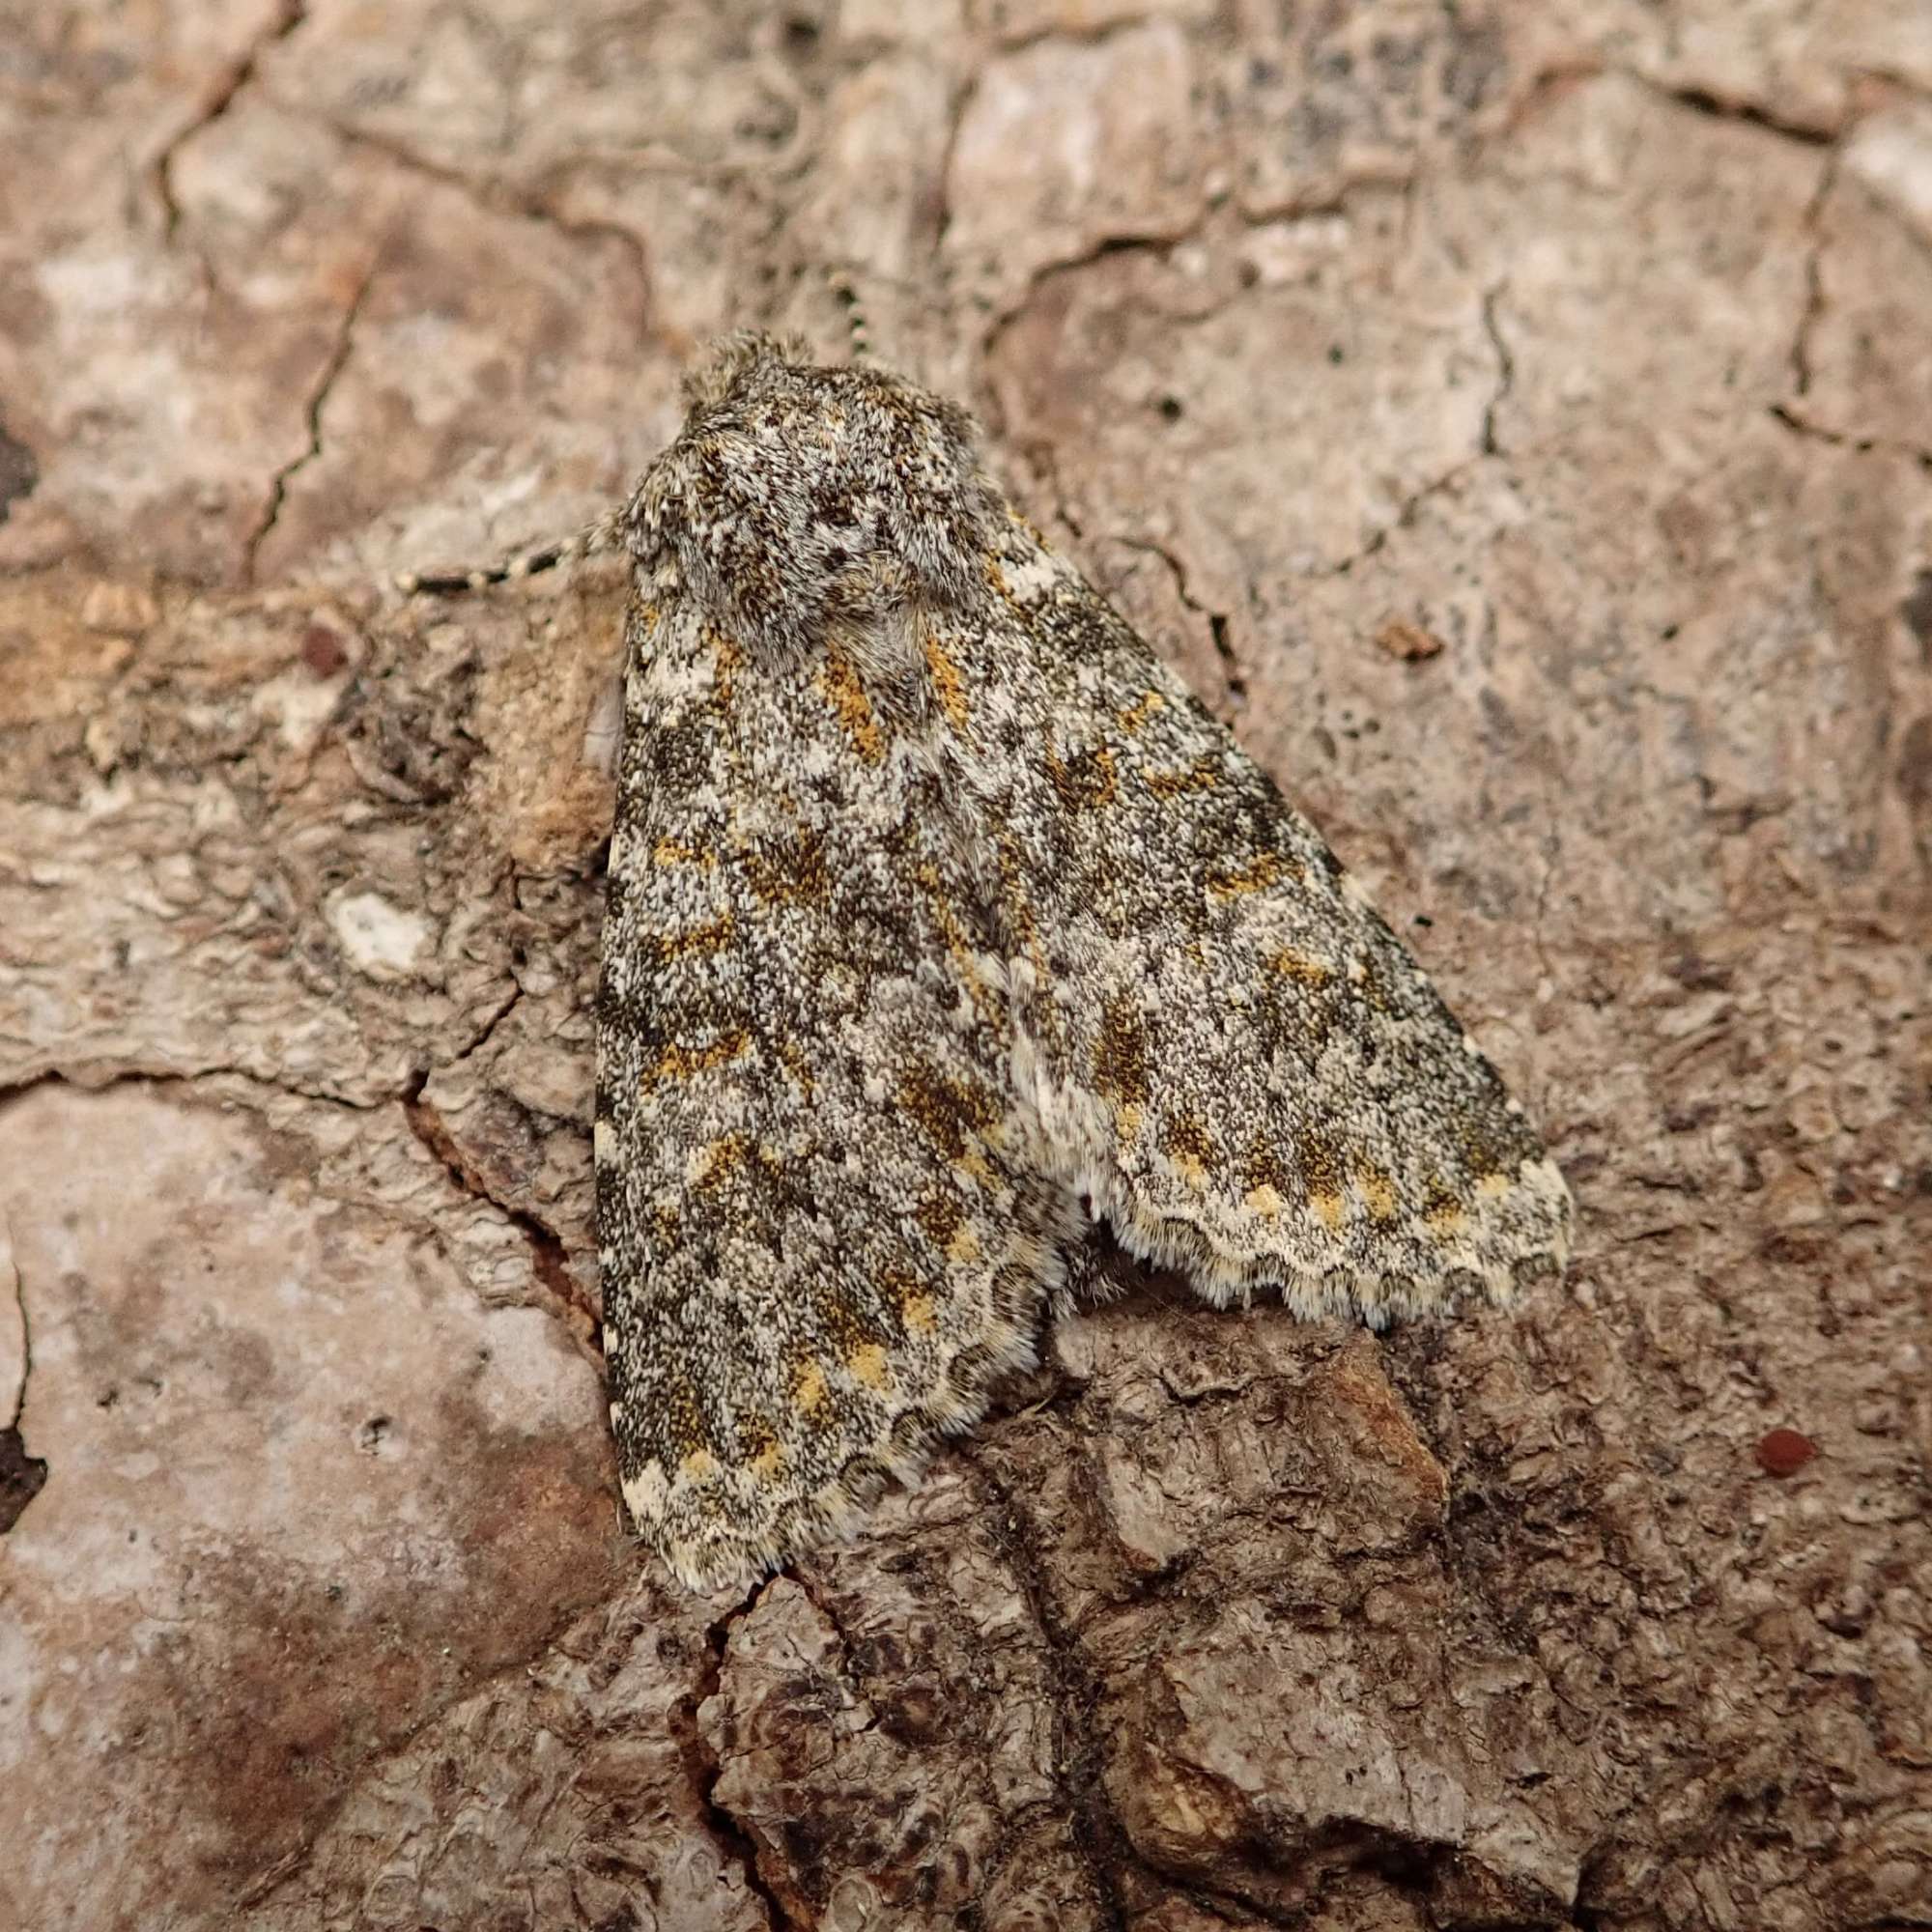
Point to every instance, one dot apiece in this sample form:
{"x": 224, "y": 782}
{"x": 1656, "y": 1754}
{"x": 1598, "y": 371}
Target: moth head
{"x": 800, "y": 499}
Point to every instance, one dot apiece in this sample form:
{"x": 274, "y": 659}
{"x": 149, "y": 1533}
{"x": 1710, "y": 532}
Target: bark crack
{"x": 1404, "y": 517}
{"x": 1791, "y": 413}
{"x": 487, "y": 1032}
{"x": 1150, "y": 244}
{"x": 1752, "y": 113}
{"x": 300, "y": 1856}
{"x": 1838, "y": 438}
{"x": 331, "y": 370}
{"x": 498, "y": 199}
{"x": 290, "y": 16}
{"x": 962, "y": 102}
{"x": 1544, "y": 84}
{"x": 704, "y": 1765}
{"x": 130, "y": 1074}
{"x": 1505, "y": 370}
{"x": 549, "y": 1257}
{"x": 1075, "y": 1687}
{"x": 1814, "y": 281}
{"x": 1232, "y": 675}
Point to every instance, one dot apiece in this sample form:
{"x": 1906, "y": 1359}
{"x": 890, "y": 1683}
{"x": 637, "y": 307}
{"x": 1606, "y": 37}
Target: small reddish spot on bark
{"x": 1410, "y": 643}
{"x": 1783, "y": 1452}
{"x": 321, "y": 651}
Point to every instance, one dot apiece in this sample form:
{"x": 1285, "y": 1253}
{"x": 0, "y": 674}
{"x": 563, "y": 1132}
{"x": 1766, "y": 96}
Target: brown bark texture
{"x": 1515, "y": 418}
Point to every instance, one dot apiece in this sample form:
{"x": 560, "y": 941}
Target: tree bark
{"x": 1516, "y": 420}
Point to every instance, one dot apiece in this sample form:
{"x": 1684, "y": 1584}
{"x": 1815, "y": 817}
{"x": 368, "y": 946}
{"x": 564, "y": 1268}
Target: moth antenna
{"x": 607, "y": 534}
{"x": 846, "y": 292}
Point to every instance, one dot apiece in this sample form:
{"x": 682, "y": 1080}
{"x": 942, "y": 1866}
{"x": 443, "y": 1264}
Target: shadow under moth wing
{"x": 935, "y": 902}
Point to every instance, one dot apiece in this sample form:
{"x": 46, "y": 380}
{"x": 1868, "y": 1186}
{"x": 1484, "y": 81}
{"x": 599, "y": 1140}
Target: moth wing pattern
{"x": 936, "y": 903}
{"x": 1231, "y": 1055}
{"x": 818, "y": 1245}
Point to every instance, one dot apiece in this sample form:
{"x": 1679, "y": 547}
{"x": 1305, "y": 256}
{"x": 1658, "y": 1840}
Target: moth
{"x": 943, "y": 924}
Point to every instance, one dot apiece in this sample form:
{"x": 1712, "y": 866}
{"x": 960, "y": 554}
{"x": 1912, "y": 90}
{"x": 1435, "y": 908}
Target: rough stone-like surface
{"x": 1515, "y": 419}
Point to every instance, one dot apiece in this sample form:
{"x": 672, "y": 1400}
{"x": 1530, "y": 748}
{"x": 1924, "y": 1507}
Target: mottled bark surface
{"x": 1517, "y": 419}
